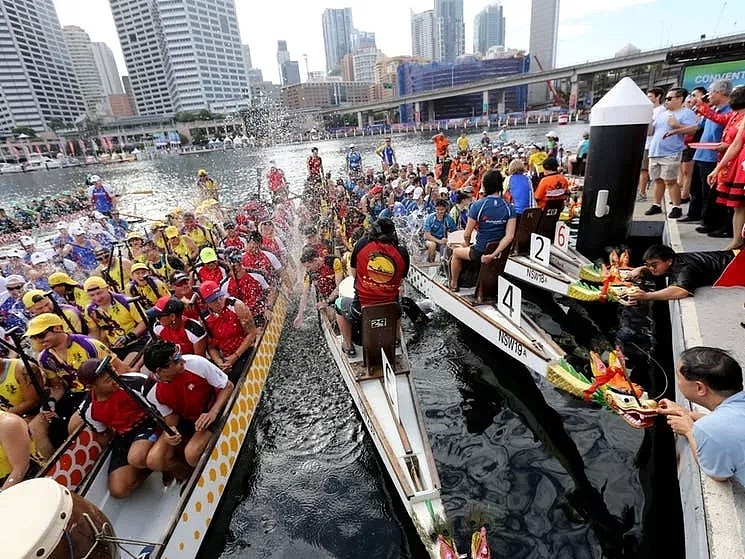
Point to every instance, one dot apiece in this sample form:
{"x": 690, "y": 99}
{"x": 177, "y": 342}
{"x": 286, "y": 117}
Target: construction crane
{"x": 558, "y": 101}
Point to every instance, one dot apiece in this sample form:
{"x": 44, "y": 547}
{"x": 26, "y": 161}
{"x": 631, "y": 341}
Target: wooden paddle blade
{"x": 734, "y": 273}
{"x": 527, "y": 224}
{"x": 413, "y": 311}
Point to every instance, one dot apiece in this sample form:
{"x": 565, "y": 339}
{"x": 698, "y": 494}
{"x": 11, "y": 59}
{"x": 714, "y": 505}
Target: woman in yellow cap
{"x": 64, "y": 286}
{"x": 180, "y": 245}
{"x": 206, "y": 186}
{"x": 36, "y": 303}
{"x": 136, "y": 246}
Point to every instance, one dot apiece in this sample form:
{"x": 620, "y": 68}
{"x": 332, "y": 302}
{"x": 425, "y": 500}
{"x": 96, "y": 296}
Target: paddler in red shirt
{"x": 190, "y": 394}
{"x": 113, "y": 414}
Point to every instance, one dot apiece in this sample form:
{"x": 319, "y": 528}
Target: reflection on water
{"x": 552, "y": 476}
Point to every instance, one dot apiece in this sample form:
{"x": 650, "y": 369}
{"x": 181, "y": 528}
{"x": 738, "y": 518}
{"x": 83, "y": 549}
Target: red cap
{"x": 376, "y": 190}
{"x": 210, "y": 291}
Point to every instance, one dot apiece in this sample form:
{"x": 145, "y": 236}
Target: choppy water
{"x": 552, "y": 476}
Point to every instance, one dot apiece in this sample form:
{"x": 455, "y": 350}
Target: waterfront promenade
{"x": 713, "y": 511}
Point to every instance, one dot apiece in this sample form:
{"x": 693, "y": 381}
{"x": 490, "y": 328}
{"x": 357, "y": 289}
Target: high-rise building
{"x": 363, "y": 40}
{"x": 38, "y": 86}
{"x": 488, "y": 28}
{"x": 107, "y": 70}
{"x": 181, "y": 55}
{"x": 544, "y": 32}
{"x": 363, "y": 64}
{"x": 91, "y": 86}
{"x": 289, "y": 70}
{"x": 247, "y": 56}
{"x": 424, "y": 35}
{"x": 451, "y": 30}
{"x": 337, "y": 36}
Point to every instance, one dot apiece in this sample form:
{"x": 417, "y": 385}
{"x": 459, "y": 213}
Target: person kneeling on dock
{"x": 685, "y": 271}
{"x": 110, "y": 409}
{"x": 711, "y": 378}
{"x": 494, "y": 218}
{"x": 378, "y": 265}
{"x": 190, "y": 393}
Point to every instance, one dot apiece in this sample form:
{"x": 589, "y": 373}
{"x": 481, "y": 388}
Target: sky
{"x": 588, "y": 29}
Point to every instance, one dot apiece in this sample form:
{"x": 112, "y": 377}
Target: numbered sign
{"x": 540, "y": 249}
{"x": 561, "y": 236}
{"x": 389, "y": 382}
{"x": 509, "y": 300}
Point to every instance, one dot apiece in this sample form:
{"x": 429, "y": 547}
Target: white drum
{"x": 40, "y": 509}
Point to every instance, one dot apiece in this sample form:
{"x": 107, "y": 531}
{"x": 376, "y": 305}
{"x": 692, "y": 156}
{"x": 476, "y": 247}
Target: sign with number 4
{"x": 561, "y": 237}
{"x": 540, "y": 249}
{"x": 509, "y": 300}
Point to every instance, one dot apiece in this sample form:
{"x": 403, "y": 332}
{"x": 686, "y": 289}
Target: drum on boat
{"x": 50, "y": 522}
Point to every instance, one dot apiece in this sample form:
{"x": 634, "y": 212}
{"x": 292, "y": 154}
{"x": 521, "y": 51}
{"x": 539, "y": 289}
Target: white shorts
{"x": 665, "y": 168}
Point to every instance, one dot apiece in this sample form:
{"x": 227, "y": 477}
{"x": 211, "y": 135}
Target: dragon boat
{"x": 158, "y": 522}
{"x": 610, "y": 387}
{"x": 380, "y": 382}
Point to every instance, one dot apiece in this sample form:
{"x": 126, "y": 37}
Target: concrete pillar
{"x": 360, "y": 121}
{"x": 501, "y": 106}
{"x": 573, "y": 91}
{"x": 485, "y": 104}
{"x": 618, "y": 130}
{"x": 431, "y": 111}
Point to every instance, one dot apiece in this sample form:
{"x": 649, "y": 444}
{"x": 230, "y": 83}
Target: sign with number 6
{"x": 561, "y": 237}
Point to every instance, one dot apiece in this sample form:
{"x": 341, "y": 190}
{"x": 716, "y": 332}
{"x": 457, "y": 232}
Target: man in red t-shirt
{"x": 379, "y": 265}
{"x": 190, "y": 394}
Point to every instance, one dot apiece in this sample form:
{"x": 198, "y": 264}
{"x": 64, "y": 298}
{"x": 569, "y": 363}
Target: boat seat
{"x": 528, "y": 224}
{"x": 486, "y": 282}
{"x": 379, "y": 328}
{"x": 549, "y": 217}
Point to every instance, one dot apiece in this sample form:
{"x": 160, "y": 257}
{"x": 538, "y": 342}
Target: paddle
{"x": 414, "y": 311}
{"x": 136, "y": 396}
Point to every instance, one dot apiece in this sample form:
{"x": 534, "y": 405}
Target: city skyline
{"x": 604, "y": 26}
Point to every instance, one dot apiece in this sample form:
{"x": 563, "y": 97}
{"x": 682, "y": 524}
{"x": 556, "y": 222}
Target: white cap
{"x": 443, "y": 190}
{"x": 61, "y": 225}
{"x": 77, "y": 230}
{"x": 418, "y": 191}
{"x": 15, "y": 252}
{"x": 26, "y": 241}
{"x": 94, "y": 178}
{"x": 38, "y": 258}
{"x": 351, "y": 146}
{"x": 98, "y": 215}
{"x": 410, "y": 189}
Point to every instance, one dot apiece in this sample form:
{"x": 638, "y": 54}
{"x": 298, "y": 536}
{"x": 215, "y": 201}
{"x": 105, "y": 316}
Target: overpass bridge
{"x": 700, "y": 51}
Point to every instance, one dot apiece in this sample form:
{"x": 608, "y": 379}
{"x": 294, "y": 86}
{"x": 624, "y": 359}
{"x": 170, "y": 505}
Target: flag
{"x": 38, "y": 149}
{"x": 734, "y": 273}
{"x": 94, "y": 145}
{"x": 71, "y": 146}
{"x": 14, "y": 150}
{"x": 81, "y": 143}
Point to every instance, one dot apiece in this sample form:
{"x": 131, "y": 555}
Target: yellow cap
{"x": 95, "y": 282}
{"x": 135, "y": 235}
{"x": 170, "y": 232}
{"x": 30, "y": 298}
{"x": 157, "y": 225}
{"x": 59, "y": 278}
{"x": 43, "y": 322}
{"x": 139, "y": 266}
{"x": 202, "y": 173}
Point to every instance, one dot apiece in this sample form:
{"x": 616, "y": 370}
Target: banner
{"x": 703, "y": 75}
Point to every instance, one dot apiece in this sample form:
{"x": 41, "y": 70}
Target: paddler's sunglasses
{"x": 14, "y": 288}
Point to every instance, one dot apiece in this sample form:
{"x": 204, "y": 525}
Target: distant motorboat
{"x": 36, "y": 162}
{"x": 7, "y": 168}
{"x": 70, "y": 162}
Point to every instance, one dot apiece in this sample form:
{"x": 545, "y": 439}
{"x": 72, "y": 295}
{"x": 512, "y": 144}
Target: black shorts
{"x": 348, "y": 308}
{"x": 475, "y": 255}
{"x": 146, "y": 431}
{"x": 687, "y": 155}
{"x": 186, "y": 429}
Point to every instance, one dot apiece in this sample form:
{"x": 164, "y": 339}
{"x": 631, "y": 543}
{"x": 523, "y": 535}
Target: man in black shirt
{"x": 685, "y": 271}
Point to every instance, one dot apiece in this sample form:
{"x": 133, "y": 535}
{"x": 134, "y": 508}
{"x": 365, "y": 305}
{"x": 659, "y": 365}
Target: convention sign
{"x": 704, "y": 74}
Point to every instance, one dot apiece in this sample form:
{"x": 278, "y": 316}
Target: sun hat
{"x": 43, "y": 322}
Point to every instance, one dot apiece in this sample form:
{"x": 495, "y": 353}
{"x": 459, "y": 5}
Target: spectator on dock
{"x": 655, "y": 97}
{"x": 711, "y": 378}
{"x": 685, "y": 271}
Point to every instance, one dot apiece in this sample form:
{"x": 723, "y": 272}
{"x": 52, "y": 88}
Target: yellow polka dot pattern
{"x": 198, "y": 513}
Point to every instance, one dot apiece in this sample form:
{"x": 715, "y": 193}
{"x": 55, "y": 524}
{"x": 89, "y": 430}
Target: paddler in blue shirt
{"x": 494, "y": 218}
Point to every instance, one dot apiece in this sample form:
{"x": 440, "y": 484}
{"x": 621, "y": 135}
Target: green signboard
{"x": 703, "y": 75}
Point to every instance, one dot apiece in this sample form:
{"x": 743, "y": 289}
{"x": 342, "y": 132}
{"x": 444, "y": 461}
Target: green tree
{"x": 198, "y": 137}
{"x": 18, "y": 130}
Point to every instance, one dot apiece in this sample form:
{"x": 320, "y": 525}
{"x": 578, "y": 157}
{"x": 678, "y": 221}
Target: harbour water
{"x": 551, "y": 475}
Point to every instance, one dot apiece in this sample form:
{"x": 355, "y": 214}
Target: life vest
{"x": 198, "y": 234}
{"x": 148, "y": 293}
{"x": 225, "y": 328}
{"x": 188, "y": 395}
{"x": 120, "y": 412}
{"x": 10, "y": 390}
{"x": 80, "y": 348}
{"x": 380, "y": 270}
{"x": 248, "y": 290}
{"x": 216, "y": 274}
{"x": 181, "y": 249}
